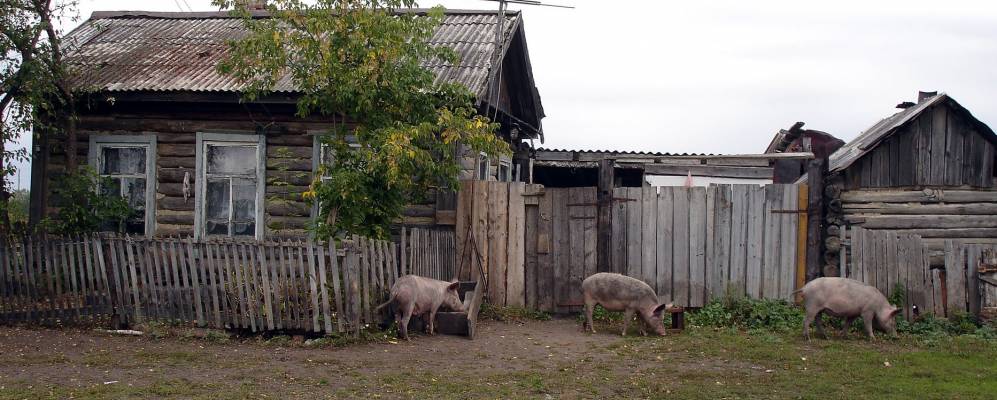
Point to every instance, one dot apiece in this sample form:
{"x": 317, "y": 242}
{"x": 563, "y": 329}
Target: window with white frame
{"x": 484, "y": 163}
{"x": 230, "y": 172}
{"x": 125, "y": 165}
{"x": 505, "y": 171}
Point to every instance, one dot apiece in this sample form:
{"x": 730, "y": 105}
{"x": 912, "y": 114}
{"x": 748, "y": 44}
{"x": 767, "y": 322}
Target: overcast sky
{"x": 724, "y": 76}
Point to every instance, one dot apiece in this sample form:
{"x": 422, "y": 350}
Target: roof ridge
{"x": 124, "y": 14}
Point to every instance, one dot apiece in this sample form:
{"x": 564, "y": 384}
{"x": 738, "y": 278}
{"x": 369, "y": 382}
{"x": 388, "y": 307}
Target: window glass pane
{"x": 216, "y": 227}
{"x": 239, "y": 160}
{"x": 135, "y": 225}
{"x": 243, "y": 229}
{"x": 243, "y": 200}
{"x": 123, "y": 160}
{"x": 111, "y": 187}
{"x": 217, "y": 199}
{"x": 483, "y": 168}
{"x": 134, "y": 192}
{"x": 326, "y": 154}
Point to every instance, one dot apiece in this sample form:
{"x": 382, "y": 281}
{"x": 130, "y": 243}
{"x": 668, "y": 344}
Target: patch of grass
{"x": 745, "y": 313}
{"x": 511, "y": 313}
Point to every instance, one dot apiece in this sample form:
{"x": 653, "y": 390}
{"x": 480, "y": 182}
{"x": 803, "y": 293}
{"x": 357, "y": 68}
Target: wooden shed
{"x": 172, "y": 133}
{"x": 927, "y": 170}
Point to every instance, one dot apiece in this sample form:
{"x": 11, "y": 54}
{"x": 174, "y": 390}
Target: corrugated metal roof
{"x": 865, "y": 142}
{"x": 611, "y": 153}
{"x": 153, "y": 51}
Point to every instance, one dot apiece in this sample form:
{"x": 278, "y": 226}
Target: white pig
{"x": 421, "y": 296}
{"x": 616, "y": 292}
{"x": 848, "y": 299}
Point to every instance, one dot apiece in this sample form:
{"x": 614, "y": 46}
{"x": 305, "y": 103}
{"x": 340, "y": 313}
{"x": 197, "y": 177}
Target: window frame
{"x": 205, "y": 139}
{"x": 508, "y": 175}
{"x": 317, "y": 155}
{"x": 146, "y": 141}
{"x": 482, "y": 159}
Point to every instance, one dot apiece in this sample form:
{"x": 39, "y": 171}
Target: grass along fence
{"x": 256, "y": 285}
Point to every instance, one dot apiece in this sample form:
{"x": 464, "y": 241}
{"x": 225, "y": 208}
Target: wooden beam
{"x": 815, "y": 216}
{"x": 923, "y": 196}
{"x": 709, "y": 170}
{"x": 604, "y": 228}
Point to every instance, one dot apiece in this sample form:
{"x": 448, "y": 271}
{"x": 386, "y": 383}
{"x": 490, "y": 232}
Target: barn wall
{"x": 940, "y": 148}
{"x": 289, "y": 164}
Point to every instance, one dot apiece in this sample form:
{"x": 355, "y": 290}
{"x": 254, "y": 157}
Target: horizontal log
{"x": 417, "y": 221}
{"x": 176, "y": 203}
{"x": 713, "y": 171}
{"x": 173, "y": 189}
{"x": 291, "y": 139}
{"x": 289, "y": 164}
{"x": 163, "y": 230}
{"x": 917, "y": 208}
{"x": 177, "y": 162}
{"x": 169, "y": 217}
{"x": 280, "y": 190}
{"x": 289, "y": 152}
{"x": 176, "y": 150}
{"x": 953, "y": 233}
{"x": 282, "y": 208}
{"x": 291, "y": 178}
{"x": 925, "y": 221}
{"x": 287, "y": 234}
{"x": 285, "y": 223}
{"x": 175, "y": 175}
{"x": 920, "y": 196}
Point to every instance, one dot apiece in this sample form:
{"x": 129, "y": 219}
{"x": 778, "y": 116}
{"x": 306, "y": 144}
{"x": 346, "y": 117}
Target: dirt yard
{"x": 534, "y": 359}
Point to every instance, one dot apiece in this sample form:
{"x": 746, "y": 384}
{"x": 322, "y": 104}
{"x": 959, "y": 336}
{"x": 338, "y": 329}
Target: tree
{"x": 359, "y": 62}
{"x": 34, "y": 88}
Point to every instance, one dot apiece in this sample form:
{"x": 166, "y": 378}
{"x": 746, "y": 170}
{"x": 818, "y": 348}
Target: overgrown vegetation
{"x": 360, "y": 63}
{"x": 745, "y": 313}
{"x": 511, "y": 313}
{"x": 83, "y": 208}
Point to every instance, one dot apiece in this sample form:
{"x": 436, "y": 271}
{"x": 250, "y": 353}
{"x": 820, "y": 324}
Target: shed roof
{"x": 165, "y": 51}
{"x": 870, "y": 138}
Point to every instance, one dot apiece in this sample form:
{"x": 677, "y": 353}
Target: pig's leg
{"x": 627, "y": 316}
{"x": 589, "y": 305}
{"x": 432, "y": 319}
{"x": 406, "y": 316}
{"x": 867, "y": 322}
{"x": 846, "y": 325}
{"x": 807, "y": 320}
{"x": 820, "y": 325}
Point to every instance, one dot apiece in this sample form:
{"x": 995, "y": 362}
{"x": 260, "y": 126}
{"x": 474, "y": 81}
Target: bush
{"x": 744, "y": 313}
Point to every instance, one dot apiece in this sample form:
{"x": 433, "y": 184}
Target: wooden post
{"x": 817, "y": 169}
{"x": 604, "y": 229}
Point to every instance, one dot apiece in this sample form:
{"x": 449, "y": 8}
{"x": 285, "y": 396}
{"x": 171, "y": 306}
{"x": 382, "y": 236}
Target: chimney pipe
{"x": 922, "y": 96}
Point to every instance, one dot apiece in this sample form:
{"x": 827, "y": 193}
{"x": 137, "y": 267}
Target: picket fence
{"x": 254, "y": 285}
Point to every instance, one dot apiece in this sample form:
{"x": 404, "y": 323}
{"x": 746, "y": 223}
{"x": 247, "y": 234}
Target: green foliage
{"x": 511, "y": 313}
{"x": 360, "y": 63}
{"x": 601, "y": 315}
{"x": 82, "y": 207}
{"x": 898, "y": 295}
{"x": 745, "y": 313}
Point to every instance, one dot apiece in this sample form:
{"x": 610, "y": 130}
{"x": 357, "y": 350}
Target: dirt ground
{"x": 533, "y": 359}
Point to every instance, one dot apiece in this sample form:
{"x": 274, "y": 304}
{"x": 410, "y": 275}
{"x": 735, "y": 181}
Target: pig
{"x": 617, "y": 292}
{"x": 848, "y": 299}
{"x": 418, "y": 295}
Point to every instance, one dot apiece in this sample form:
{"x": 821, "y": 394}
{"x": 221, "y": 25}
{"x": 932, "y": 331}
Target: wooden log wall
{"x": 258, "y": 286}
{"x": 490, "y": 237}
{"x": 891, "y": 259}
{"x": 430, "y": 253}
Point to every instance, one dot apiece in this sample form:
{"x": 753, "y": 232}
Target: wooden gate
{"x": 689, "y": 244}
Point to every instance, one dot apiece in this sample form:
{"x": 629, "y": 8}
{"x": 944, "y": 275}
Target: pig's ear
{"x": 453, "y": 286}
{"x": 896, "y": 310}
{"x": 661, "y": 308}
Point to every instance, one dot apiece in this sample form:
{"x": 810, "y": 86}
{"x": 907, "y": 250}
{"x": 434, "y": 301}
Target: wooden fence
{"x": 692, "y": 244}
{"x": 431, "y": 253}
{"x": 889, "y": 260}
{"x": 322, "y": 287}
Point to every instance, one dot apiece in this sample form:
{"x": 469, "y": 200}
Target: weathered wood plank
{"x": 919, "y": 196}
{"x": 787, "y": 243}
{"x": 721, "y": 242}
{"x": 649, "y": 222}
{"x": 697, "y": 246}
{"x": 619, "y": 217}
{"x": 709, "y": 170}
{"x": 516, "y": 272}
{"x": 498, "y": 240}
{"x": 337, "y": 296}
{"x": 955, "y": 277}
{"x": 939, "y": 119}
{"x": 756, "y": 227}
{"x": 711, "y": 240}
{"x": 892, "y": 263}
{"x": 530, "y": 266}
{"x": 133, "y": 276}
{"x": 926, "y": 221}
{"x": 664, "y": 240}
{"x": 313, "y": 286}
{"x": 770, "y": 273}
{"x": 634, "y": 232}
{"x": 972, "y": 257}
{"x": 739, "y": 239}
{"x": 545, "y": 256}
{"x": 681, "y": 246}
